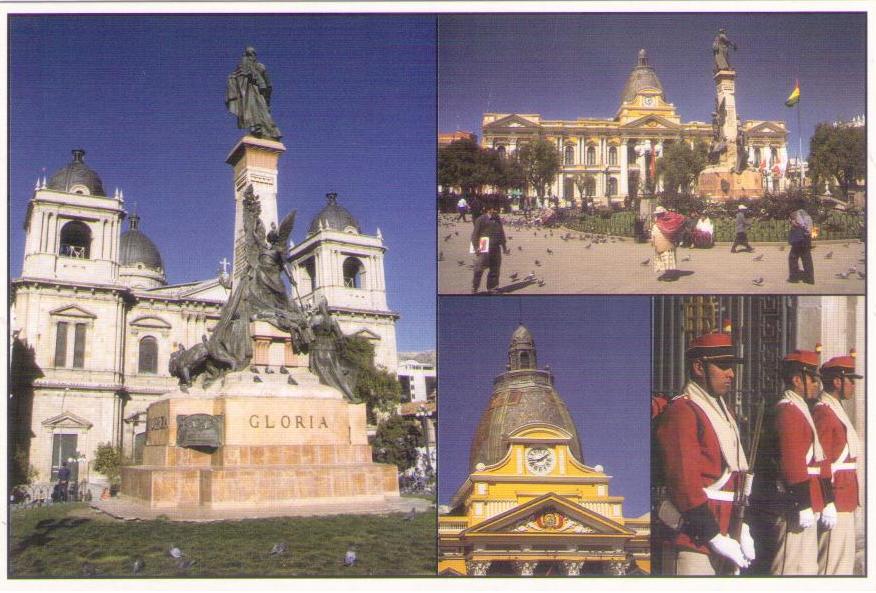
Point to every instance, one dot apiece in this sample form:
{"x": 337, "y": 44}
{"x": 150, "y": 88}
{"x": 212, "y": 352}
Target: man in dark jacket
{"x": 488, "y": 243}
{"x": 800, "y": 238}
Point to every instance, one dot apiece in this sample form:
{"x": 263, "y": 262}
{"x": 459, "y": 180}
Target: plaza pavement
{"x": 616, "y": 265}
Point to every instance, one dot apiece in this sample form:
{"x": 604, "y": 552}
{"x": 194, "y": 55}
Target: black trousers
{"x": 741, "y": 239}
{"x": 801, "y": 252}
{"x": 491, "y": 260}
{"x": 461, "y": 212}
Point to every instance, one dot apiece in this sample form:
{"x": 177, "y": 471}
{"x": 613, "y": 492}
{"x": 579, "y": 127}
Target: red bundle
{"x": 671, "y": 224}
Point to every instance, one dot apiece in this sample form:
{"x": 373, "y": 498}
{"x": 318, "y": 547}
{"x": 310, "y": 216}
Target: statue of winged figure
{"x": 259, "y": 293}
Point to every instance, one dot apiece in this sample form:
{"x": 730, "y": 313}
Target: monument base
{"x": 255, "y": 441}
{"x": 721, "y": 184}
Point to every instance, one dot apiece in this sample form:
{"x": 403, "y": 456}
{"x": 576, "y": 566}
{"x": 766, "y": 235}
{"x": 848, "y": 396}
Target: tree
{"x": 586, "y": 184}
{"x": 465, "y": 165}
{"x": 396, "y": 442}
{"x": 541, "y": 162}
{"x": 837, "y": 156}
{"x": 377, "y": 388}
{"x": 108, "y": 461}
{"x": 680, "y": 166}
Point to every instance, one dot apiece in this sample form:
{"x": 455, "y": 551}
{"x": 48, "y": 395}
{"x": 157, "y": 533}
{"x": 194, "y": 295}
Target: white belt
{"x": 847, "y": 466}
{"x": 722, "y": 495}
{"x": 813, "y": 471}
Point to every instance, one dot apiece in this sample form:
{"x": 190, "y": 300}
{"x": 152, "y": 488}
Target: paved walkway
{"x": 122, "y": 507}
{"x": 617, "y": 265}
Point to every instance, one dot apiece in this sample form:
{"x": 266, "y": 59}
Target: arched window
{"x": 524, "y": 360}
{"x": 612, "y": 186}
{"x": 75, "y": 240}
{"x": 501, "y": 151}
{"x": 569, "y": 155}
{"x": 148, "y": 356}
{"x": 612, "y": 155}
{"x": 757, "y": 157}
{"x": 354, "y": 273}
{"x": 591, "y": 155}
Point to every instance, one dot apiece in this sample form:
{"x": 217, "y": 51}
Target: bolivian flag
{"x": 794, "y": 97}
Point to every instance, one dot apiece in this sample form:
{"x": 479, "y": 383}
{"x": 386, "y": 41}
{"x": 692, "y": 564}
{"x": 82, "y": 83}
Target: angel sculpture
{"x": 259, "y": 293}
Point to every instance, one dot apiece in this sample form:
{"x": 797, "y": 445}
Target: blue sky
{"x": 144, "y": 96}
{"x": 599, "y": 349}
{"x": 570, "y": 66}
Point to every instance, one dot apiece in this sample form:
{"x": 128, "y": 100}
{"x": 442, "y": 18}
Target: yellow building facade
{"x": 615, "y": 155}
{"x": 530, "y": 505}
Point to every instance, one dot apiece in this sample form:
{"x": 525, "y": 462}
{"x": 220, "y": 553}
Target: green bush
{"x": 108, "y": 461}
{"x": 619, "y": 224}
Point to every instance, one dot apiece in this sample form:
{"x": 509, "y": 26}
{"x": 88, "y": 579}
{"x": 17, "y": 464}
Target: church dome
{"x": 136, "y": 248}
{"x": 522, "y": 395}
{"x": 77, "y": 178}
{"x": 334, "y": 217}
{"x": 642, "y": 77}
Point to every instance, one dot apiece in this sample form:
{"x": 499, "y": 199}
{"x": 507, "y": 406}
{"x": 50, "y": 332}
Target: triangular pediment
{"x": 366, "y": 334}
{"x": 150, "y": 321}
{"x": 73, "y": 311}
{"x": 652, "y": 122}
{"x": 210, "y": 290}
{"x": 552, "y": 514}
{"x": 766, "y": 127}
{"x": 67, "y": 420}
{"x": 511, "y": 121}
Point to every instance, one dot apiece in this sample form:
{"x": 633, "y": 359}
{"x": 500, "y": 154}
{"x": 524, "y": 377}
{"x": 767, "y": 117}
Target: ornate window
{"x": 569, "y": 153}
{"x": 354, "y": 273}
{"x": 612, "y": 155}
{"x": 61, "y": 344}
{"x": 148, "y": 356}
{"x": 612, "y": 187}
{"x": 591, "y": 155}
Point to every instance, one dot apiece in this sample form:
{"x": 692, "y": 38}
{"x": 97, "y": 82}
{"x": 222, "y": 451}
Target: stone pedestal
{"x": 721, "y": 184}
{"x": 254, "y": 161}
{"x": 286, "y": 440}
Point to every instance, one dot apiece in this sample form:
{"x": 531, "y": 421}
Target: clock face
{"x": 540, "y": 460}
{"x": 648, "y": 101}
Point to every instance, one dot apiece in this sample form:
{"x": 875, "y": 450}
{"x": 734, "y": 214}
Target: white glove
{"x": 729, "y": 548}
{"x": 828, "y": 516}
{"x": 807, "y": 518}
{"x": 746, "y": 542}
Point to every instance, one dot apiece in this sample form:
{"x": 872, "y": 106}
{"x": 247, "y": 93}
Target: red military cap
{"x": 844, "y": 365}
{"x": 713, "y": 347}
{"x": 809, "y": 359}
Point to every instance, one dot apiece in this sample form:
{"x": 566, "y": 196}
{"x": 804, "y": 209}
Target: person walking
{"x": 488, "y": 243}
{"x": 703, "y": 464}
{"x": 836, "y": 528}
{"x": 800, "y": 238}
{"x": 741, "y": 231}
{"x": 462, "y": 209}
{"x": 665, "y": 232}
{"x": 63, "y": 482}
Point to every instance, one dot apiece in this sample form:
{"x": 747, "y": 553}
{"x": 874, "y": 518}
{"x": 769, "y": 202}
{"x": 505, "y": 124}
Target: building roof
{"x": 522, "y": 395}
{"x": 642, "y": 77}
{"x": 76, "y": 173}
{"x": 136, "y": 248}
{"x": 333, "y": 217}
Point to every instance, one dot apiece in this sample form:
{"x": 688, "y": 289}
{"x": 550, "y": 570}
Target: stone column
{"x": 254, "y": 161}
{"x": 725, "y": 90}
{"x": 477, "y": 568}
{"x": 525, "y": 568}
{"x": 572, "y": 568}
{"x": 623, "y": 185}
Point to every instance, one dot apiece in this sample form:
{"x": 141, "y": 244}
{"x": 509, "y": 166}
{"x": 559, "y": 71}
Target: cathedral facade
{"x": 530, "y": 505}
{"x": 607, "y": 160}
{"x": 94, "y": 321}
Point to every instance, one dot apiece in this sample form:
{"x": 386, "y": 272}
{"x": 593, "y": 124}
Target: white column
{"x": 623, "y": 184}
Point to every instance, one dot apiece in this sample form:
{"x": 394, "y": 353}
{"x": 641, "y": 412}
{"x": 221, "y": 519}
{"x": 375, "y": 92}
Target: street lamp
{"x": 423, "y": 416}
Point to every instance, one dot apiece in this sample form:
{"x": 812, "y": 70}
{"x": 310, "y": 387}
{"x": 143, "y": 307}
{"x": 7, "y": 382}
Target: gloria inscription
{"x": 286, "y": 421}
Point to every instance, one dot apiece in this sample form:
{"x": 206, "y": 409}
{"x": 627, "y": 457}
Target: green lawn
{"x": 58, "y": 541}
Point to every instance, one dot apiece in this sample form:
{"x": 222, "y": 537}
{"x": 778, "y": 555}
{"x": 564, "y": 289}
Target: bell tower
{"x": 521, "y": 352}
{"x": 72, "y": 228}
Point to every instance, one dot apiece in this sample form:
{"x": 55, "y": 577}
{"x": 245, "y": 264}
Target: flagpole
{"x": 799, "y": 145}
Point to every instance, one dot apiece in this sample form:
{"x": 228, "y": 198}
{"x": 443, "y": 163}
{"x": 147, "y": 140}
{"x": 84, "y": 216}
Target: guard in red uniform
{"x": 836, "y": 529}
{"x": 799, "y": 469}
{"x": 703, "y": 464}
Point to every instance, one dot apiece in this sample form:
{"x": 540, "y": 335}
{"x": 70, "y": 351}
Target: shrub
{"x": 108, "y": 461}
